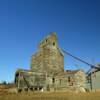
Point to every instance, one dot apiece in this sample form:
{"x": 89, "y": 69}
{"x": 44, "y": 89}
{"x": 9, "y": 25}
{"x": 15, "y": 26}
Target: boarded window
{"x": 53, "y": 80}
{"x": 46, "y": 40}
{"x": 69, "y": 79}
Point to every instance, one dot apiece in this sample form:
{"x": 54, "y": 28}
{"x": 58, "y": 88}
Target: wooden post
{"x": 91, "y": 81}
{"x": 18, "y": 80}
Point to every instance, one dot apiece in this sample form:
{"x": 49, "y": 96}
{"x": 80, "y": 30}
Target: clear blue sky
{"x": 23, "y": 23}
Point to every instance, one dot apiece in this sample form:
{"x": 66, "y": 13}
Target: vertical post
{"x": 91, "y": 80}
{"x": 18, "y": 80}
{"x": 46, "y": 82}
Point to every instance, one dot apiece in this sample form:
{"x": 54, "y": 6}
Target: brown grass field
{"x": 50, "y": 96}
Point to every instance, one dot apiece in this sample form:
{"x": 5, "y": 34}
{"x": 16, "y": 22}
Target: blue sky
{"x": 24, "y": 23}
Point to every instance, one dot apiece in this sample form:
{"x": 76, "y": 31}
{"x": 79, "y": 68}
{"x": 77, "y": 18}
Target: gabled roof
{"x": 48, "y": 36}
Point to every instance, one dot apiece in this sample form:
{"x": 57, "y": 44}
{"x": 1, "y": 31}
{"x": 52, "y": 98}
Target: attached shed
{"x": 96, "y": 80}
{"x": 93, "y": 80}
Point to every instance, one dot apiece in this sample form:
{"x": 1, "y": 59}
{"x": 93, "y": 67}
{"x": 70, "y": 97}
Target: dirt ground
{"x": 50, "y": 96}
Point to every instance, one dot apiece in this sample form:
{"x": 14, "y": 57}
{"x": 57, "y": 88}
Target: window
{"x": 69, "y": 79}
{"x": 46, "y": 40}
{"x": 53, "y": 80}
{"x": 53, "y": 43}
{"x": 60, "y": 81}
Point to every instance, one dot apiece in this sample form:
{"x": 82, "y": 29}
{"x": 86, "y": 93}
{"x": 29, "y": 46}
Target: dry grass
{"x": 50, "y": 96}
